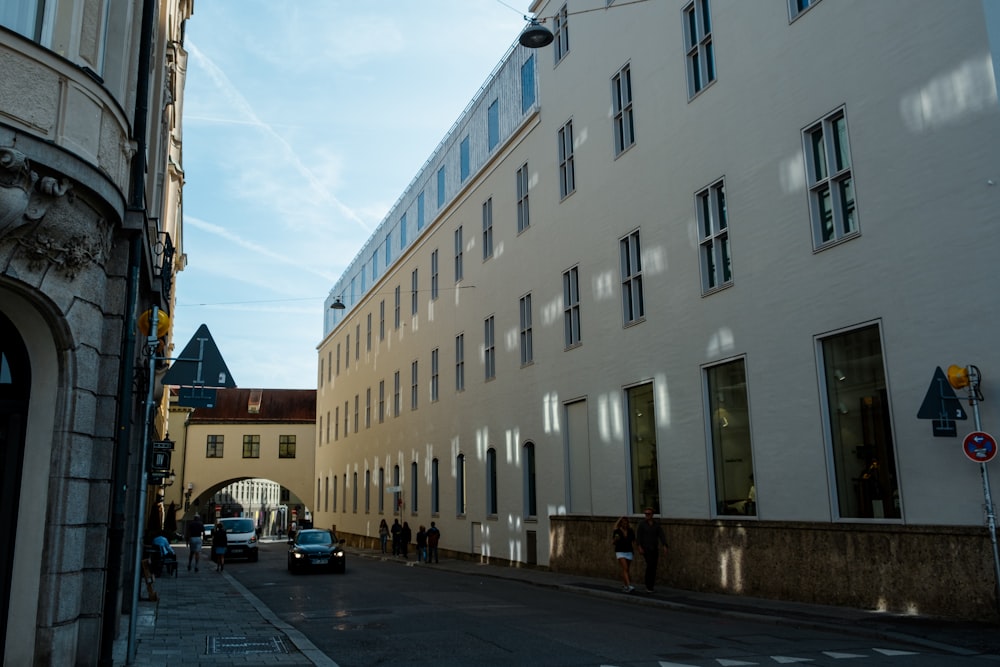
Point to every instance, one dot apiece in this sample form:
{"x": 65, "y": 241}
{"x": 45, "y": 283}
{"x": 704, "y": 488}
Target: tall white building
{"x": 703, "y": 257}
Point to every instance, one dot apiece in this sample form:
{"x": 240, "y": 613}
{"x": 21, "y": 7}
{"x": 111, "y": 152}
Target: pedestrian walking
{"x": 220, "y": 542}
{"x": 396, "y": 531}
{"x": 433, "y": 536}
{"x": 624, "y": 540}
{"x": 649, "y": 537}
{"x": 421, "y": 545}
{"x": 383, "y": 535}
{"x": 195, "y": 533}
{"x": 405, "y": 538}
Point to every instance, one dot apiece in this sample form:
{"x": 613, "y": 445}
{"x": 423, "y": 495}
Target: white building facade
{"x": 703, "y": 257}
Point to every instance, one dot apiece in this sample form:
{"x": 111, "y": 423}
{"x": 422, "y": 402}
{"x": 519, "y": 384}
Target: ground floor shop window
{"x": 642, "y": 448}
{"x": 729, "y": 431}
{"x": 860, "y": 432}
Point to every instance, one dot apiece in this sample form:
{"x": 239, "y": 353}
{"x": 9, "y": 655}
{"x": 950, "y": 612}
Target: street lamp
{"x": 535, "y": 36}
{"x": 187, "y": 495}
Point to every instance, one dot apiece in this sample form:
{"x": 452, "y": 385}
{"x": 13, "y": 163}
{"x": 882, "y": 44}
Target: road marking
{"x": 785, "y": 660}
{"x": 889, "y": 651}
{"x": 841, "y": 656}
{"x": 733, "y": 663}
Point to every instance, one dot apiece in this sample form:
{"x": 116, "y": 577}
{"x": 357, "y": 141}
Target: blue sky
{"x": 304, "y": 121}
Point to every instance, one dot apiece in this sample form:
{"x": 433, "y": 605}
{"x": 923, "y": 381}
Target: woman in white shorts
{"x": 624, "y": 541}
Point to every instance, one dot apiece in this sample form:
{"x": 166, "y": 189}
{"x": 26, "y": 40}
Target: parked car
{"x": 316, "y": 549}
{"x": 241, "y": 534}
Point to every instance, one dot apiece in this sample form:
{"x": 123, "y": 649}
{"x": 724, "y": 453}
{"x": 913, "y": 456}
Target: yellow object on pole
{"x": 162, "y": 323}
{"x": 958, "y": 376}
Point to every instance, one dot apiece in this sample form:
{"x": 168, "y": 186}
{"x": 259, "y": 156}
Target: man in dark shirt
{"x": 649, "y": 536}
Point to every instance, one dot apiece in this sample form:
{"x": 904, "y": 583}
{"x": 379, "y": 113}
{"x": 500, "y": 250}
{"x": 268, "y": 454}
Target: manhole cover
{"x": 245, "y": 645}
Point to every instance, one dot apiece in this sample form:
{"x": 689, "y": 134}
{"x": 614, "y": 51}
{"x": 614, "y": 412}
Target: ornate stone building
{"x": 90, "y": 238}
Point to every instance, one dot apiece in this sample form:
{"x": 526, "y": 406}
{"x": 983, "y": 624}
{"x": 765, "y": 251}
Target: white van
{"x": 241, "y": 535}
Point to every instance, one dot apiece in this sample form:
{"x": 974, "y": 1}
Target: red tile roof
{"x": 276, "y": 405}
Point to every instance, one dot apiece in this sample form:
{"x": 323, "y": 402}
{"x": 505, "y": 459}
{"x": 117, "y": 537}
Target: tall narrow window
{"x": 374, "y": 265}
{"x": 493, "y": 125}
{"x": 440, "y": 187}
{"x": 571, "y": 307}
{"x": 527, "y": 352}
{"x": 334, "y": 494}
{"x": 561, "y": 33}
{"x": 388, "y": 249}
{"x": 368, "y": 491}
{"x": 347, "y": 418}
{"x": 414, "y": 386}
{"x": 489, "y": 348}
{"x": 729, "y": 430}
{"x": 488, "y": 228}
{"x": 347, "y": 352}
{"x": 395, "y": 309}
{"x": 368, "y": 407}
{"x": 381, "y": 490}
{"x": 396, "y": 400}
{"x": 354, "y": 492}
{"x": 642, "y": 448}
{"x": 336, "y": 423}
{"x": 414, "y": 285}
{"x": 381, "y": 320}
{"x": 357, "y": 412}
{"x": 464, "y": 160}
{"x": 491, "y": 481}
{"x": 831, "y": 183}
{"x": 434, "y": 275}
{"x": 402, "y": 232}
{"x": 338, "y": 358}
{"x": 414, "y": 487}
{"x": 460, "y": 484}
{"x": 420, "y": 211}
{"x": 368, "y": 334}
{"x": 458, "y": 254}
{"x": 621, "y": 109}
{"x": 857, "y": 407}
{"x": 397, "y": 497}
{"x": 357, "y": 341}
{"x": 326, "y": 493}
{"x": 435, "y": 487}
{"x": 630, "y": 251}
{"x": 381, "y": 401}
{"x": 435, "y": 375}
{"x": 528, "y": 84}
{"x": 713, "y": 224}
{"x": 567, "y": 170}
{"x": 521, "y": 183}
{"x": 460, "y": 362}
{"x": 251, "y": 446}
{"x": 530, "y": 491}
{"x": 700, "y": 51}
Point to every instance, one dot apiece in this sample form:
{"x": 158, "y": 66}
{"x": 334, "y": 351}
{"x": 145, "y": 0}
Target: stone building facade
{"x": 90, "y": 239}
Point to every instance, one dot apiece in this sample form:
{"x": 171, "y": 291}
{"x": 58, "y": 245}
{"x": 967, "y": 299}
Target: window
{"x": 463, "y": 159}
{"x": 327, "y": 426}
{"x": 434, "y": 275}
{"x": 861, "y": 440}
{"x": 571, "y": 306}
{"x": 381, "y": 320}
{"x": 487, "y": 228}
{"x": 440, "y": 187}
{"x": 395, "y": 310}
{"x": 381, "y": 490}
{"x": 493, "y": 125}
{"x": 381, "y": 401}
{"x": 396, "y": 403}
{"x": 213, "y": 446}
{"x": 435, "y": 375}
{"x": 521, "y": 183}
{"x": 326, "y": 493}
{"x": 334, "y": 493}
{"x": 528, "y": 84}
{"x": 633, "y": 307}
{"x": 338, "y": 358}
{"x": 357, "y": 411}
{"x": 414, "y": 386}
{"x": 368, "y": 407}
{"x": 344, "y": 487}
{"x": 368, "y": 334}
{"x": 796, "y": 7}
{"x": 354, "y": 492}
{"x": 458, "y": 254}
{"x": 435, "y": 487}
{"x": 24, "y": 17}
{"x": 729, "y": 431}
{"x": 460, "y": 362}
{"x": 420, "y": 211}
{"x": 567, "y": 172}
{"x": 413, "y": 487}
{"x": 489, "y": 348}
{"x": 700, "y": 51}
{"x": 347, "y": 352}
{"x": 642, "y": 448}
{"x": 336, "y": 423}
{"x": 530, "y": 491}
{"x": 251, "y": 446}
{"x": 561, "y": 33}
{"x": 347, "y": 418}
{"x": 357, "y": 341}
{"x": 414, "y": 300}
{"x": 621, "y": 107}
{"x": 713, "y": 224}
{"x": 397, "y": 500}
{"x": 460, "y": 484}
{"x": 374, "y": 265}
{"x": 527, "y": 353}
{"x": 368, "y": 491}
{"x": 402, "y": 232}
{"x": 831, "y": 186}
{"x": 491, "y": 481}
{"x": 388, "y": 249}
{"x": 286, "y": 446}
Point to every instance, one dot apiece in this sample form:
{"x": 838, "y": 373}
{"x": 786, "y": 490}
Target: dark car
{"x": 315, "y": 549}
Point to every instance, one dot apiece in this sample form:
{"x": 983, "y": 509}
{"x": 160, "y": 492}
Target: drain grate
{"x": 245, "y": 645}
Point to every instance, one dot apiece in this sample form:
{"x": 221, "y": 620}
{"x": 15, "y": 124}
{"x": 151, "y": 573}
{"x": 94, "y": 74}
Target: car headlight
{"x": 339, "y": 554}
{"x": 296, "y": 554}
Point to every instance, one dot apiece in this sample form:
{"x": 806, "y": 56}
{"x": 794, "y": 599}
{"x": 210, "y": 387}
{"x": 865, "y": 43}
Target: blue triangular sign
{"x": 940, "y": 402}
{"x": 200, "y": 364}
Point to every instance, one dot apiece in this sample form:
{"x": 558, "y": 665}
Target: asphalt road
{"x": 385, "y": 613}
